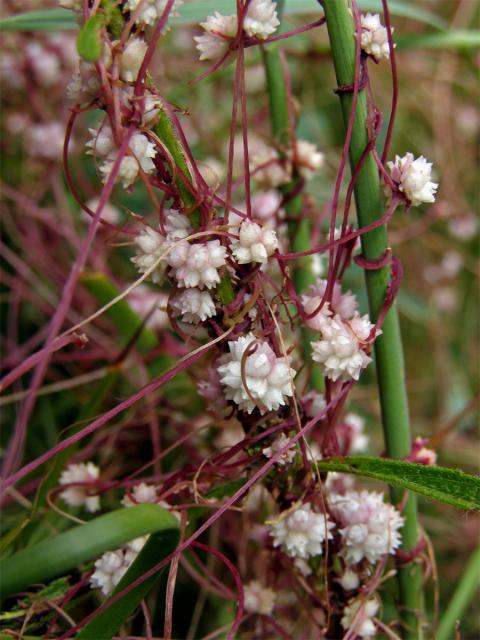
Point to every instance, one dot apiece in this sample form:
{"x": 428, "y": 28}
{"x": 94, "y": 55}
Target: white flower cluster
{"x": 413, "y": 178}
{"x": 352, "y": 435}
{"x": 194, "y": 305}
{"x": 369, "y": 526}
{"x": 254, "y": 244}
{"x": 302, "y": 532}
{"x": 139, "y": 156}
{"x": 344, "y": 304}
{"x": 196, "y": 265}
{"x": 357, "y": 617}
{"x": 260, "y": 22}
{"x": 259, "y": 379}
{"x": 258, "y": 599}
{"x": 374, "y": 39}
{"x": 268, "y": 169}
{"x": 81, "y": 474}
{"x": 140, "y": 494}
{"x": 277, "y": 445}
{"x": 307, "y": 158}
{"x": 112, "y": 565}
{"x": 149, "y": 11}
{"x": 341, "y": 348}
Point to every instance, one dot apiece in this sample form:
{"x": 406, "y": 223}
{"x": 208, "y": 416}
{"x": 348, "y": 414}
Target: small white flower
{"x": 349, "y": 580}
{"x": 258, "y": 599}
{"x": 261, "y": 19}
{"x": 357, "y": 617}
{"x": 352, "y": 434}
{"x": 101, "y": 143}
{"x": 132, "y": 58}
{"x": 413, "y": 178}
{"x": 254, "y": 243}
{"x": 196, "y": 265}
{"x": 150, "y": 246}
{"x": 194, "y": 305}
{"x": 110, "y": 212}
{"x": 302, "y": 532}
{"x": 267, "y": 380}
{"x": 278, "y": 444}
{"x": 313, "y": 404}
{"x": 345, "y": 304}
{"x": 374, "y": 39}
{"x": 76, "y": 496}
{"x": 143, "y": 151}
{"x": 369, "y": 526}
{"x": 112, "y": 565}
{"x": 303, "y": 567}
{"x": 151, "y": 10}
{"x": 268, "y": 169}
{"x": 140, "y": 493}
{"x": 219, "y": 29}
{"x": 340, "y": 351}
{"x": 307, "y": 158}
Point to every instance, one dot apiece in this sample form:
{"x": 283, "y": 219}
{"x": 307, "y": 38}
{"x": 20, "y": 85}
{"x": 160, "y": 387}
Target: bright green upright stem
{"x": 388, "y": 347}
{"x": 298, "y": 230}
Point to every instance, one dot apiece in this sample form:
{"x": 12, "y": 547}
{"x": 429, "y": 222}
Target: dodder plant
{"x": 274, "y": 346}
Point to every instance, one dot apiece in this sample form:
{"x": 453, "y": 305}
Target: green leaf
{"x": 45, "y": 20}
{"x": 195, "y": 12}
{"x": 89, "y": 40}
{"x": 448, "y": 40}
{"x": 126, "y": 320}
{"x": 106, "y": 624}
{"x": 59, "y": 555}
{"x": 451, "y": 486}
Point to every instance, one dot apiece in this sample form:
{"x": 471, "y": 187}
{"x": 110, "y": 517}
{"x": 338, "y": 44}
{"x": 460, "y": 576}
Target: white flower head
{"x": 143, "y": 299}
{"x": 266, "y": 382}
{"x": 254, "y": 244}
{"x": 258, "y": 599}
{"x": 369, "y": 526}
{"x": 265, "y": 205}
{"x": 151, "y": 10}
{"x": 345, "y": 304}
{"x": 101, "y": 143}
{"x": 150, "y": 246}
{"x": 307, "y": 158}
{"x": 142, "y": 151}
{"x": 349, "y": 580}
{"x": 219, "y": 29}
{"x": 196, "y": 265}
{"x": 132, "y": 58}
{"x": 352, "y": 434}
{"x": 268, "y": 169}
{"x": 44, "y": 63}
{"x": 340, "y": 350}
{"x": 46, "y": 140}
{"x": 112, "y": 565}
{"x": 357, "y": 617}
{"x": 194, "y": 305}
{"x": 76, "y": 496}
{"x": 278, "y": 444}
{"x": 374, "y": 39}
{"x": 413, "y": 178}
{"x": 140, "y": 493}
{"x": 261, "y": 19}
{"x": 302, "y": 532}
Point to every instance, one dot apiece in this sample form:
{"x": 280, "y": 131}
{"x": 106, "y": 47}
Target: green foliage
{"x": 57, "y": 556}
{"x": 89, "y": 40}
{"x": 450, "y": 486}
{"x": 105, "y": 624}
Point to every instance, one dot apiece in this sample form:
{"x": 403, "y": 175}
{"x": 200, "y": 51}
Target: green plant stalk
{"x": 388, "y": 347}
{"x": 298, "y": 231}
{"x": 463, "y": 595}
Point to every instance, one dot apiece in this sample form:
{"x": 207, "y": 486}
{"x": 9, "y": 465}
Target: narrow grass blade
{"x": 59, "y": 555}
{"x": 107, "y": 622}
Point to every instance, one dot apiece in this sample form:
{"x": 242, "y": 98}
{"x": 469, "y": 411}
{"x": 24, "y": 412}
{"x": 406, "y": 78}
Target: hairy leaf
{"x": 440, "y": 483}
